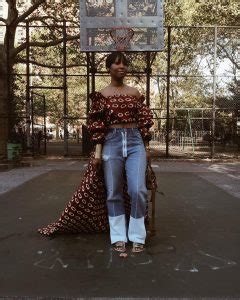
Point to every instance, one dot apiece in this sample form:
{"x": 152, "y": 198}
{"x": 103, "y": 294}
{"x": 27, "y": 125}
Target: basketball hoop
{"x": 121, "y": 37}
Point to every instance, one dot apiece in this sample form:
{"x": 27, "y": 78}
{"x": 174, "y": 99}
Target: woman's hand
{"x": 97, "y": 160}
{"x": 148, "y": 155}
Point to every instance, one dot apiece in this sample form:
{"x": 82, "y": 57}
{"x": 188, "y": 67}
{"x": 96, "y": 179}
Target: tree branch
{"x": 31, "y": 19}
{"x": 42, "y": 44}
{"x": 12, "y": 12}
{"x": 229, "y": 56}
{"x": 24, "y": 61}
{"x": 3, "y": 20}
{"x": 37, "y": 18}
{"x": 29, "y": 11}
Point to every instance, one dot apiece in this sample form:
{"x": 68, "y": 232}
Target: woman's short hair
{"x": 116, "y": 57}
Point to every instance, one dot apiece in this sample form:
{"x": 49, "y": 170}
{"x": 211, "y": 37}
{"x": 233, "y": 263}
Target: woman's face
{"x": 118, "y": 69}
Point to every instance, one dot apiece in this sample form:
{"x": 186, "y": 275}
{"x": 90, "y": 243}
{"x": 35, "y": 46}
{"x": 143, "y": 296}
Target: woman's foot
{"x": 137, "y": 247}
{"x": 119, "y": 247}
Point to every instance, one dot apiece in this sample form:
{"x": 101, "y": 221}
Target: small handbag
{"x": 151, "y": 181}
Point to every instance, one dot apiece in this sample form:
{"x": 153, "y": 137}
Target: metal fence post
{"x": 66, "y": 133}
{"x": 30, "y": 141}
{"x": 168, "y": 88}
{"x": 88, "y": 82}
{"x": 214, "y": 94}
{"x": 148, "y": 77}
{"x": 44, "y": 128}
{"x": 93, "y": 71}
{"x": 9, "y": 101}
{"x": 31, "y": 99}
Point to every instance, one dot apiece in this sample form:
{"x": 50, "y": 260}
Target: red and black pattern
{"x": 106, "y": 111}
{"x": 87, "y": 209}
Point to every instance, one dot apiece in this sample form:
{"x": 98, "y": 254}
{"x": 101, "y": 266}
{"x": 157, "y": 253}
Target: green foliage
{"x": 201, "y": 12}
{"x": 191, "y": 55}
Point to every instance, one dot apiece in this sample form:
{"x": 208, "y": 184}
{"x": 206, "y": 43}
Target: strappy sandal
{"x": 137, "y": 247}
{"x": 119, "y": 247}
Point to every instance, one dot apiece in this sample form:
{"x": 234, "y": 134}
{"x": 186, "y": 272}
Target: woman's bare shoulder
{"x": 105, "y": 91}
{"x": 133, "y": 91}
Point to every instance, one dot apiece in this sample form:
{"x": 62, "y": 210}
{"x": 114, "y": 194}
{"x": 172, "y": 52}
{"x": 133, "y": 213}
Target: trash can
{"x": 14, "y": 151}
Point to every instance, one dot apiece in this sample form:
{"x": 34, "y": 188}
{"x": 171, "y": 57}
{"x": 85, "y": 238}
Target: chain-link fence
{"x": 202, "y": 119}
{"x": 192, "y": 88}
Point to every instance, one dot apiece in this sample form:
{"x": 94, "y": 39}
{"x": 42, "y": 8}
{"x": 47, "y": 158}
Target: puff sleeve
{"x": 96, "y": 118}
{"x": 144, "y": 119}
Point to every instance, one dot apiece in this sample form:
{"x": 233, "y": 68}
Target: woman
{"x": 120, "y": 122}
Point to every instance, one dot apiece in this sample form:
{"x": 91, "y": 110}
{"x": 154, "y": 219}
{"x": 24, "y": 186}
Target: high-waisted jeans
{"x": 124, "y": 149}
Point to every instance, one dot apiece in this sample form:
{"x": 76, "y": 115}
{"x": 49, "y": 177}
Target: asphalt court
{"x": 195, "y": 252}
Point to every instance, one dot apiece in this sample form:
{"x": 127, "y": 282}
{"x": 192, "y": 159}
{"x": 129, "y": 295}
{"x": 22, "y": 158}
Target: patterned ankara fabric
{"x": 86, "y": 212}
{"x": 111, "y": 110}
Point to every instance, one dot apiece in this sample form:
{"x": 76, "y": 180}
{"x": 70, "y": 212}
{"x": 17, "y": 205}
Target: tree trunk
{"x": 3, "y": 104}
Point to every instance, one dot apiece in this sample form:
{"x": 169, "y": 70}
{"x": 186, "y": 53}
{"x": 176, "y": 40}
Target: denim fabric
{"x": 124, "y": 149}
{"x": 118, "y": 230}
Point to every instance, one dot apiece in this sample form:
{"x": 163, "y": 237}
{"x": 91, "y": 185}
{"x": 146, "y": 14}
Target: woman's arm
{"x": 144, "y": 121}
{"x": 98, "y": 151}
{"x": 96, "y": 125}
{"x": 96, "y": 119}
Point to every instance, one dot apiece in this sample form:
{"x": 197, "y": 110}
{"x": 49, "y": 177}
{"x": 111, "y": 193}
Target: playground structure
{"x": 191, "y": 129}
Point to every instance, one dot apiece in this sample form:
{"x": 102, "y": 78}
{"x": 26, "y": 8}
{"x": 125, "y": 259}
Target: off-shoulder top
{"x": 109, "y": 110}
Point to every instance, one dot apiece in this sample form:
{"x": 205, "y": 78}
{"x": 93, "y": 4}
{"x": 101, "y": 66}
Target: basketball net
{"x": 121, "y": 37}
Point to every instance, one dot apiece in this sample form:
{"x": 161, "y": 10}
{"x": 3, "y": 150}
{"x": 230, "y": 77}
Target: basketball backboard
{"x": 99, "y": 17}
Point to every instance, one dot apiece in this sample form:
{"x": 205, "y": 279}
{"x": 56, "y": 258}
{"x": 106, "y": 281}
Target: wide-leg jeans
{"x": 124, "y": 150}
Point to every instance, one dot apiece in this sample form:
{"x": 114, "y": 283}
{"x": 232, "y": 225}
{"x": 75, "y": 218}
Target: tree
{"x": 190, "y": 48}
{"x": 39, "y": 10}
{"x": 184, "y": 59}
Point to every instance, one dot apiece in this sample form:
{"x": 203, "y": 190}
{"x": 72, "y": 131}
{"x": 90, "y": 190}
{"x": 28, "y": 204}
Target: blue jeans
{"x": 124, "y": 149}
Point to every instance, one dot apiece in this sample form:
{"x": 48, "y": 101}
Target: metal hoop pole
{"x": 66, "y": 133}
{"x": 214, "y": 94}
